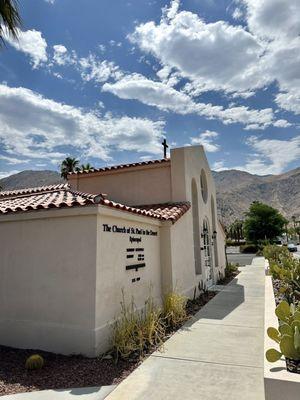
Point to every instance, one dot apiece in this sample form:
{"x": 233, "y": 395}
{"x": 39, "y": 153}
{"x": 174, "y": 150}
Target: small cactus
{"x": 34, "y": 362}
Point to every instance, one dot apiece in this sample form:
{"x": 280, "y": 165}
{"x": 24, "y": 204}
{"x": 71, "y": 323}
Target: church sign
{"x": 128, "y": 230}
{"x": 136, "y": 255}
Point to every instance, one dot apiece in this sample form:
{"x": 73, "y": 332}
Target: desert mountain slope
{"x": 30, "y": 179}
{"x": 236, "y": 190}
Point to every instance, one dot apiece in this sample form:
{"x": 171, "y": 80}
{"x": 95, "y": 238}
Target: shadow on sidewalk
{"x": 222, "y": 304}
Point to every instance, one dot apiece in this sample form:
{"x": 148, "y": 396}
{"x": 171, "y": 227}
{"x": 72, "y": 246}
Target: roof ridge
{"x": 120, "y": 166}
{"x": 166, "y": 203}
{"x": 90, "y": 196}
{"x": 33, "y": 190}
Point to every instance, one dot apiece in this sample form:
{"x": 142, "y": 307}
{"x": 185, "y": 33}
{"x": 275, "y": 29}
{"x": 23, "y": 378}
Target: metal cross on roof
{"x": 165, "y": 146}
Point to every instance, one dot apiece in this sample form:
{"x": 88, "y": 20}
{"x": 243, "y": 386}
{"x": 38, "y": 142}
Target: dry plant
{"x": 137, "y": 331}
{"x": 174, "y": 309}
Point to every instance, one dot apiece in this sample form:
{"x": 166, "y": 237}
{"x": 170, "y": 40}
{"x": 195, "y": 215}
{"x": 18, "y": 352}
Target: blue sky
{"x": 105, "y": 81}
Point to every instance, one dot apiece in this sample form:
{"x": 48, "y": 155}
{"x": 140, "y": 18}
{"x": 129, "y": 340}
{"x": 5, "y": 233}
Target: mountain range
{"x": 236, "y": 190}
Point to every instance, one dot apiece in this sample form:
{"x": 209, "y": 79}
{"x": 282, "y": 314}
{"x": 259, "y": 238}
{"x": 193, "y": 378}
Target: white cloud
{"x": 289, "y": 101}
{"x": 13, "y": 160}
{"x": 282, "y": 123}
{"x": 32, "y": 43}
{"x": 91, "y": 68}
{"x": 4, "y": 174}
{"x": 215, "y": 56}
{"x": 219, "y": 166}
{"x": 273, "y": 19}
{"x": 102, "y": 48}
{"x": 98, "y": 70}
{"x": 271, "y": 156}
{"x": 237, "y": 13}
{"x": 277, "y": 23}
{"x": 206, "y": 139}
{"x": 166, "y": 98}
{"x": 232, "y": 59}
{"x": 61, "y": 55}
{"x": 35, "y": 127}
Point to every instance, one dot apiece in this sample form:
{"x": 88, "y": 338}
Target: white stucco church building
{"x": 68, "y": 251}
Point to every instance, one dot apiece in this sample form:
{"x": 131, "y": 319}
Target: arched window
{"x": 214, "y": 227}
{"x": 196, "y": 228}
{"x": 203, "y": 182}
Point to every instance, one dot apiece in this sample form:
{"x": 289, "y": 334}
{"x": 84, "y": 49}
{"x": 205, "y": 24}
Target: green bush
{"x": 231, "y": 269}
{"x": 234, "y": 242}
{"x": 249, "y": 248}
{"x": 283, "y": 266}
{"x": 275, "y": 253}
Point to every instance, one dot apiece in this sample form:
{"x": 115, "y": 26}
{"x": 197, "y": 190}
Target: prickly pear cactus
{"x": 34, "y": 362}
{"x": 287, "y": 335}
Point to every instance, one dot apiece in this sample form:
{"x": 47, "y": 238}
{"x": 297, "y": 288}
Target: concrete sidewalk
{"x": 87, "y": 393}
{"x": 217, "y": 356}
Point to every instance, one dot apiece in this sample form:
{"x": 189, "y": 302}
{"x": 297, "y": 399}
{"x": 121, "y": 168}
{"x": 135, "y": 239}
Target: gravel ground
{"x": 276, "y": 287}
{"x": 60, "y": 372}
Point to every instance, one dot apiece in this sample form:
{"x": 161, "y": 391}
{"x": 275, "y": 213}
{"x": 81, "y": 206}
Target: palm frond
{"x": 10, "y": 19}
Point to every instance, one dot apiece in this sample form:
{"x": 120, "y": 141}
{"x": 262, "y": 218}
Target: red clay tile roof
{"x": 59, "y": 196}
{"x": 17, "y": 192}
{"x": 122, "y": 166}
{"x": 165, "y": 212}
{"x": 44, "y": 197}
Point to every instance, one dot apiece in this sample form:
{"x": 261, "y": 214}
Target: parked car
{"x": 292, "y": 247}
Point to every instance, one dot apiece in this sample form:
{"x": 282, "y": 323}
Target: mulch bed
{"x": 61, "y": 372}
{"x": 228, "y": 278}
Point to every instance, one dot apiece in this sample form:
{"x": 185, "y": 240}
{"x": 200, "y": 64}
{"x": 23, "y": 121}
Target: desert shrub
{"x": 174, "y": 309}
{"x": 231, "y": 269}
{"x": 275, "y": 253}
{"x": 249, "y": 248}
{"x": 234, "y": 242}
{"x": 135, "y": 331}
{"x": 285, "y": 268}
{"x": 152, "y": 327}
{"x": 35, "y": 361}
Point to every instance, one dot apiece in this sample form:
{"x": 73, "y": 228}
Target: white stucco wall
{"x": 147, "y": 184}
{"x": 184, "y": 278}
{"x": 62, "y": 277}
{"x": 186, "y": 165}
{"x": 47, "y": 280}
{"x": 111, "y": 275}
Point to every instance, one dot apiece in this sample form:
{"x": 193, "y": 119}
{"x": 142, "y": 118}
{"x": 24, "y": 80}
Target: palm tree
{"x": 69, "y": 164}
{"x": 10, "y": 19}
{"x": 236, "y": 230}
{"x": 86, "y": 167}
